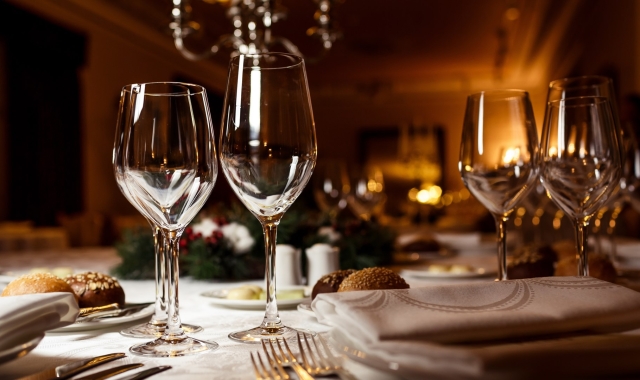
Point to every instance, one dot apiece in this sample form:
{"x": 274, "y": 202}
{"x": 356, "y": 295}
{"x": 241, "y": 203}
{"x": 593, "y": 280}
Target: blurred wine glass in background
{"x": 331, "y": 187}
{"x": 367, "y": 195}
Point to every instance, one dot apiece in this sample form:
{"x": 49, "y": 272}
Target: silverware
{"x": 286, "y": 358}
{"x": 109, "y": 311}
{"x": 146, "y": 373}
{"x": 65, "y": 371}
{"x": 267, "y": 372}
{"x": 107, "y": 373}
{"x": 317, "y": 363}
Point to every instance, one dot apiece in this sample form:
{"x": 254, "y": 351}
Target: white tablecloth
{"x": 229, "y": 361}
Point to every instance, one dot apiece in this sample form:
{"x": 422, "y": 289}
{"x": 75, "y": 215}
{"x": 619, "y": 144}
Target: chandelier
{"x": 252, "y": 21}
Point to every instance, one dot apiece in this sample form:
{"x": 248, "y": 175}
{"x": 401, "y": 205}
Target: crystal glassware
{"x": 268, "y": 152}
{"x": 167, "y": 168}
{"x": 331, "y": 187}
{"x": 580, "y": 161}
{"x": 499, "y": 156}
{"x": 158, "y": 322}
{"x": 367, "y": 195}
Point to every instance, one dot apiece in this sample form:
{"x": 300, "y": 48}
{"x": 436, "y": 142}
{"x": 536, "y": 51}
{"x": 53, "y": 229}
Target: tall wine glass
{"x": 367, "y": 192}
{"x": 168, "y": 169}
{"x": 267, "y": 152}
{"x": 498, "y": 156}
{"x": 331, "y": 187}
{"x": 158, "y": 322}
{"x": 580, "y": 161}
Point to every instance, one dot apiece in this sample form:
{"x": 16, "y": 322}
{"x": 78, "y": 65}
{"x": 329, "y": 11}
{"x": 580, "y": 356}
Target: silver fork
{"x": 317, "y": 363}
{"x": 286, "y": 358}
{"x": 267, "y": 372}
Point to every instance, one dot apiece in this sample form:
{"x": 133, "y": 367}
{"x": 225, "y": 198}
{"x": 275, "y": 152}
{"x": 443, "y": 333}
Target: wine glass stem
{"x": 160, "y": 315}
{"x": 581, "y": 243}
{"x": 501, "y": 229}
{"x": 174, "y": 330}
{"x": 271, "y": 317}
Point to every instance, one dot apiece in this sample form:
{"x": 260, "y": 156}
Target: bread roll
{"x": 600, "y": 267}
{"x": 329, "y": 283}
{"x": 373, "y": 279}
{"x": 37, "y": 283}
{"x": 96, "y": 289}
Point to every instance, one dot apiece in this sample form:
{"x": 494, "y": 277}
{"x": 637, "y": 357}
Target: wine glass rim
{"x": 578, "y": 101}
{"x": 596, "y": 79}
{"x": 296, "y": 60}
{"x": 189, "y": 89}
{"x": 514, "y": 91}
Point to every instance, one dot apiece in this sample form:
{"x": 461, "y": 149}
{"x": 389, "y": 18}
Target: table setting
{"x": 208, "y": 308}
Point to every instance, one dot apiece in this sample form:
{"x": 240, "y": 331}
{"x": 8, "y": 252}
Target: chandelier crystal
{"x": 252, "y": 21}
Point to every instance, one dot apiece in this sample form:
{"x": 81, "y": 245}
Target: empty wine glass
{"x": 498, "y": 156}
{"x": 331, "y": 187}
{"x": 267, "y": 152}
{"x": 158, "y": 322}
{"x": 168, "y": 169}
{"x": 580, "y": 161}
{"x": 367, "y": 194}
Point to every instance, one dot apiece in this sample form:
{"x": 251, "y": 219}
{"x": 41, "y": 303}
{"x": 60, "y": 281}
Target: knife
{"x": 109, "y": 311}
{"x": 65, "y": 371}
{"x": 146, "y": 373}
{"x": 107, "y": 373}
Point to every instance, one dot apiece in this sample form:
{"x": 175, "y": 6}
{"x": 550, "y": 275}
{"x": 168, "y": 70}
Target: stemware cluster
{"x": 578, "y": 160}
{"x": 165, "y": 164}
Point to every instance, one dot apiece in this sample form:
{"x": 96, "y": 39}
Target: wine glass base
{"x": 161, "y": 348}
{"x": 150, "y": 330}
{"x": 255, "y": 335}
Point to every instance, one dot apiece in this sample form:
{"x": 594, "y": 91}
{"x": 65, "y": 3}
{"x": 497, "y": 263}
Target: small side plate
{"x": 20, "y": 350}
{"x": 219, "y": 298}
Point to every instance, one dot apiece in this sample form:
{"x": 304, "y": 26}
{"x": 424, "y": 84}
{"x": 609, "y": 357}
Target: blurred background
{"x": 390, "y": 94}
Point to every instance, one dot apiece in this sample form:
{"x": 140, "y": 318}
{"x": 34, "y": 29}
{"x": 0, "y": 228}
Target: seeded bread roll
{"x": 600, "y": 267}
{"x": 329, "y": 283}
{"x": 531, "y": 261}
{"x": 373, "y": 279}
{"x": 96, "y": 289}
{"x": 37, "y": 283}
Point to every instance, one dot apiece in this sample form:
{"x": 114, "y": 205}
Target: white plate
{"x": 13, "y": 352}
{"x": 219, "y": 297}
{"x": 427, "y": 274}
{"x": 106, "y": 322}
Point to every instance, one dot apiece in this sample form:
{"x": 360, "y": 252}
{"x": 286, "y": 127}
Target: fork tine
{"x": 268, "y": 369}
{"x": 259, "y": 375}
{"x": 334, "y": 362}
{"x": 299, "y": 370}
{"x": 320, "y": 358}
{"x": 274, "y": 361}
{"x": 303, "y": 355}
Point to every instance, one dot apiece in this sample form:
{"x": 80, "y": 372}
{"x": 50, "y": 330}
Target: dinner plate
{"x": 219, "y": 298}
{"x": 474, "y": 272}
{"x": 15, "y": 351}
{"x": 102, "y": 323}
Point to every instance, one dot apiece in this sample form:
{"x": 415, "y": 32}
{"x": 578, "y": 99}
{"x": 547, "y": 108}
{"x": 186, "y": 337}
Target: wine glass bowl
{"x": 331, "y": 187}
{"x": 268, "y": 152}
{"x": 166, "y": 169}
{"x": 499, "y": 155}
{"x": 580, "y": 161}
{"x": 367, "y": 193}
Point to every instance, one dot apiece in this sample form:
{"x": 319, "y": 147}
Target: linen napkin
{"x": 438, "y": 329}
{"x": 25, "y": 317}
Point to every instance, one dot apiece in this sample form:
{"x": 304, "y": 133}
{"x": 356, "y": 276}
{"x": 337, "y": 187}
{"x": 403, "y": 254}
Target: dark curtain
{"x": 44, "y": 126}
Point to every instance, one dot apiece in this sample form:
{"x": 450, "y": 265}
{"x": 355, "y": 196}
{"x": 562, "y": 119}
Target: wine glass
{"x": 168, "y": 169}
{"x": 580, "y": 161}
{"x": 158, "y": 322}
{"x": 367, "y": 192}
{"x": 267, "y": 152}
{"x": 331, "y": 187}
{"x": 498, "y": 156}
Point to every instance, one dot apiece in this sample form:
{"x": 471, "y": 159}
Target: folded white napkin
{"x": 424, "y": 328}
{"x": 25, "y": 317}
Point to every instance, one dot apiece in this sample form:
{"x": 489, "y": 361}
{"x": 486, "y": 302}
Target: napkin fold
{"x": 25, "y": 317}
{"x": 438, "y": 329}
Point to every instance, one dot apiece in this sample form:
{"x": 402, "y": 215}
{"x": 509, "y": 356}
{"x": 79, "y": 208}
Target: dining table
{"x": 231, "y": 360}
